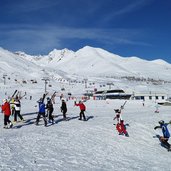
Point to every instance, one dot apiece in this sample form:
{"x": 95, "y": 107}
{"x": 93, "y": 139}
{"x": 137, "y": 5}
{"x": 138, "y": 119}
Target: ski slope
{"x": 83, "y": 146}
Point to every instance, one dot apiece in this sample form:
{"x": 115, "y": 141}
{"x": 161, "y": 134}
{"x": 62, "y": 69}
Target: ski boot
{"x": 11, "y": 125}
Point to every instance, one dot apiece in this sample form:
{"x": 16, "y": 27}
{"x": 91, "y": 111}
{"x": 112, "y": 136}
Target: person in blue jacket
{"x": 166, "y": 135}
{"x": 41, "y": 112}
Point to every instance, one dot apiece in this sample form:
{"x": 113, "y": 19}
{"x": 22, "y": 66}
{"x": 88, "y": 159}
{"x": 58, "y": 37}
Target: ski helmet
{"x": 161, "y": 122}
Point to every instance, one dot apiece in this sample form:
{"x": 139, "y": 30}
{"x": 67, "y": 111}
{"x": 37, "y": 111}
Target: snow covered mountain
{"x": 90, "y": 63}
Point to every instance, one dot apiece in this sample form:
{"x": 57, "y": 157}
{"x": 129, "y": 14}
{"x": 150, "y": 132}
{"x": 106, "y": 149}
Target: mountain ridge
{"x": 90, "y": 61}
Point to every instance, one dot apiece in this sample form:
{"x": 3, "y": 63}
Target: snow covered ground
{"x": 93, "y": 145}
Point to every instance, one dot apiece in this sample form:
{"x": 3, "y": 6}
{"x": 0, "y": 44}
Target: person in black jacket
{"x": 49, "y": 107}
{"x": 64, "y": 109}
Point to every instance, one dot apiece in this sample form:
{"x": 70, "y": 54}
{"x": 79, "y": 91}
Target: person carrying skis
{"x": 64, "y": 109}
{"x": 12, "y": 106}
{"x": 118, "y": 115}
{"x": 17, "y": 107}
{"x": 121, "y": 128}
{"x": 49, "y": 107}
{"x": 7, "y": 112}
{"x": 41, "y": 112}
{"x": 166, "y": 135}
{"x": 82, "y": 109}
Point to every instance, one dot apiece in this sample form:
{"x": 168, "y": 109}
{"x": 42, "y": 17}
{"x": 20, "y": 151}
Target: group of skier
{"x": 49, "y": 108}
{"x": 121, "y": 128}
{"x": 13, "y": 107}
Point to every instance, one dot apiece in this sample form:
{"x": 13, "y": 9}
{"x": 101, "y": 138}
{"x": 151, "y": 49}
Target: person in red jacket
{"x": 82, "y": 110}
{"x": 7, "y": 112}
{"x": 121, "y": 128}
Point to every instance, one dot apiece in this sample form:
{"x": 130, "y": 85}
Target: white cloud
{"x": 49, "y": 37}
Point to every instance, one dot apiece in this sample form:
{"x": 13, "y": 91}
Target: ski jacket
{"x": 6, "y": 109}
{"x": 165, "y": 131}
{"x": 81, "y": 105}
{"x": 121, "y": 128}
{"x": 49, "y": 105}
{"x": 41, "y": 107}
{"x": 17, "y": 105}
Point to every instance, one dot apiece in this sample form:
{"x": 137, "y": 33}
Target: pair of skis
{"x": 16, "y": 93}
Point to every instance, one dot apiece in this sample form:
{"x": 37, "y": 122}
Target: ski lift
{"x": 50, "y": 85}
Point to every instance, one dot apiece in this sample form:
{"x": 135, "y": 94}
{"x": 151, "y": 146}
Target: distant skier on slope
{"x": 166, "y": 135}
{"x": 82, "y": 109}
{"x": 41, "y": 112}
{"x": 157, "y": 108}
{"x": 7, "y": 112}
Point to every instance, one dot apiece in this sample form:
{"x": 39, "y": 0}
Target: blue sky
{"x": 125, "y": 27}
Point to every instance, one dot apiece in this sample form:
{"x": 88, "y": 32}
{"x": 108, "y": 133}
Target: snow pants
{"x": 82, "y": 115}
{"x": 38, "y": 118}
{"x": 50, "y": 111}
{"x": 17, "y": 113}
{"x": 6, "y": 120}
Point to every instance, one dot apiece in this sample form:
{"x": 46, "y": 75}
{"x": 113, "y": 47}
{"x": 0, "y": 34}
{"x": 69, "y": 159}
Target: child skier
{"x": 64, "y": 109}
{"x": 118, "y": 115}
{"x": 41, "y": 112}
{"x": 7, "y": 112}
{"x": 82, "y": 109}
{"x": 49, "y": 107}
{"x": 121, "y": 128}
{"x": 166, "y": 135}
{"x": 17, "y": 107}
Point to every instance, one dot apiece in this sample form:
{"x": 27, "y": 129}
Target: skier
{"x": 121, "y": 128}
{"x": 49, "y": 107}
{"x": 17, "y": 107}
{"x": 118, "y": 115}
{"x": 82, "y": 109}
{"x": 41, "y": 112}
{"x": 157, "y": 108}
{"x": 12, "y": 106}
{"x": 7, "y": 112}
{"x": 166, "y": 135}
{"x": 64, "y": 109}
